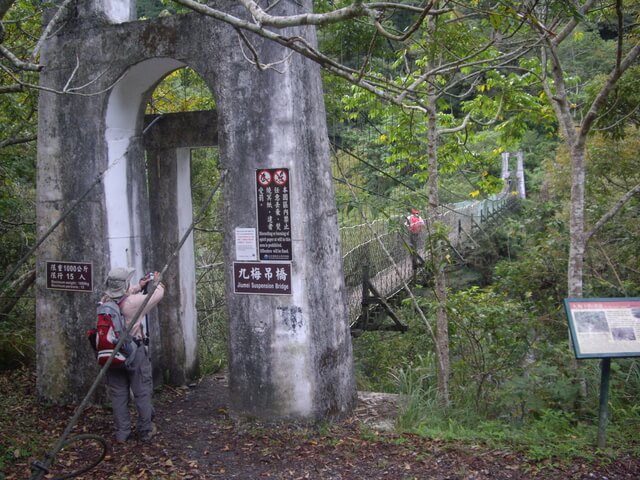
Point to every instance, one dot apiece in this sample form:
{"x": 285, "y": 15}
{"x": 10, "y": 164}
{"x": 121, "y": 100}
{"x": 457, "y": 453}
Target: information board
{"x": 264, "y": 278}
{"x": 274, "y": 213}
{"x": 71, "y": 276}
{"x": 604, "y": 327}
{"x": 246, "y": 244}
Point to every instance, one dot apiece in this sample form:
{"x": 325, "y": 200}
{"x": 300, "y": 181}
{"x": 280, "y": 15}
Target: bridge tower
{"x": 289, "y": 345}
{"x": 511, "y": 186}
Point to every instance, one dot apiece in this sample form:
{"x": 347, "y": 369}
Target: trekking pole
{"x": 41, "y": 468}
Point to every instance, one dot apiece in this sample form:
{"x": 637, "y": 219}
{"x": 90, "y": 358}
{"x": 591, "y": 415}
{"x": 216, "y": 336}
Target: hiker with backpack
{"x": 414, "y": 222}
{"x": 415, "y": 225}
{"x": 135, "y": 372}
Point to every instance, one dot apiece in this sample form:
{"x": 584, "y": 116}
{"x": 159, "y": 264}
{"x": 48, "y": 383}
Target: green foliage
{"x": 586, "y": 56}
{"x": 551, "y": 435}
{"x": 157, "y": 8}
{"x": 612, "y": 170}
{"x": 149, "y": 8}
{"x": 210, "y": 293}
{"x": 17, "y": 200}
{"x": 535, "y": 245}
{"x": 350, "y": 42}
{"x": 18, "y": 126}
{"x": 181, "y": 91}
{"x": 613, "y": 251}
{"x": 511, "y": 386}
{"x": 17, "y": 341}
{"x": 381, "y": 357}
{"x": 490, "y": 339}
{"x": 621, "y": 109}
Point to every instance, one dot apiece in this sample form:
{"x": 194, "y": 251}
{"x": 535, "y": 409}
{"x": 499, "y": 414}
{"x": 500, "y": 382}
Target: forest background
{"x": 420, "y": 119}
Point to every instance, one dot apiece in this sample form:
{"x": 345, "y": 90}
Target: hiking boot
{"x": 123, "y": 440}
{"x": 147, "y": 436}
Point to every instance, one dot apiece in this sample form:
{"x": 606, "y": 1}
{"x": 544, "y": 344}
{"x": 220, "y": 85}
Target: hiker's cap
{"x": 118, "y": 281}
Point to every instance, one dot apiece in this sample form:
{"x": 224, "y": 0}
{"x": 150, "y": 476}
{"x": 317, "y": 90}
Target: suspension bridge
{"x": 380, "y": 258}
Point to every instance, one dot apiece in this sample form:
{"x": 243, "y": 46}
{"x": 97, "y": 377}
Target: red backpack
{"x": 416, "y": 223}
{"x": 110, "y": 327}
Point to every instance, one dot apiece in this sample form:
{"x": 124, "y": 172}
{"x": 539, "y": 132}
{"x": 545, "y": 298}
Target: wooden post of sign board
{"x": 603, "y": 416}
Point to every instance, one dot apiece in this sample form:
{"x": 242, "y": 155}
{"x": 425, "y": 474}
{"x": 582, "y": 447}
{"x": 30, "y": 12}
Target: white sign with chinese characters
{"x": 246, "y": 244}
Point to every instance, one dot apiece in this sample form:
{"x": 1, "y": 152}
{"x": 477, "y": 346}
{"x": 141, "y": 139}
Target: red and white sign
{"x": 281, "y": 177}
{"x": 264, "y": 178}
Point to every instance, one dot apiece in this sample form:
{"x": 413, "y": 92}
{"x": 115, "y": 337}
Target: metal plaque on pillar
{"x": 70, "y": 276}
{"x": 262, "y": 278}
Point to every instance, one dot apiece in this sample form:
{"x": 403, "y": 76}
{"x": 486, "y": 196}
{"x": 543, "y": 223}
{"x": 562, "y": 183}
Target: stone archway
{"x": 157, "y": 200}
{"x": 289, "y": 354}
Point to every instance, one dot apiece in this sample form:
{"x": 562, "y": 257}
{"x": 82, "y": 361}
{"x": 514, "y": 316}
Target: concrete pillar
{"x": 290, "y": 355}
{"x": 110, "y": 11}
{"x": 167, "y": 139}
{"x": 520, "y": 174}
{"x": 174, "y": 349}
{"x": 505, "y": 167}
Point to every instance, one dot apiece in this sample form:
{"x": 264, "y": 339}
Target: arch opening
{"x": 157, "y": 115}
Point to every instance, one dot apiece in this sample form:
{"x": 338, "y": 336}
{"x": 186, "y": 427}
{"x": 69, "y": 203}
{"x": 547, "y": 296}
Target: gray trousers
{"x": 138, "y": 378}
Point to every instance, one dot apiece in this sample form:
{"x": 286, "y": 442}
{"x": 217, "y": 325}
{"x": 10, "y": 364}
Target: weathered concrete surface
{"x": 289, "y": 356}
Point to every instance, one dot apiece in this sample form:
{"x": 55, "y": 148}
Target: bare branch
{"x": 459, "y": 128}
{"x": 502, "y": 59}
{"x": 612, "y": 212}
{"x": 356, "y": 9}
{"x": 572, "y": 24}
{"x": 16, "y": 62}
{"x": 55, "y": 20}
{"x": 410, "y": 31}
{"x": 611, "y": 81}
{"x": 256, "y": 60}
{"x": 18, "y": 141}
{"x": 66, "y": 89}
{"x": 11, "y": 88}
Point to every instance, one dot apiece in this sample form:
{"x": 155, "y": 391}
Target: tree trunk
{"x": 437, "y": 253}
{"x": 576, "y": 223}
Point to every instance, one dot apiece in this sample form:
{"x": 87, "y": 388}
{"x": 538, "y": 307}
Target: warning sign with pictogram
{"x": 274, "y": 213}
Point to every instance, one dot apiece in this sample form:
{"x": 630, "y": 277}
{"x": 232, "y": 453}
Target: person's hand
{"x": 143, "y": 282}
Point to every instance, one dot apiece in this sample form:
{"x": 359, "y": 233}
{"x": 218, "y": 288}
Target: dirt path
{"x": 198, "y": 440}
